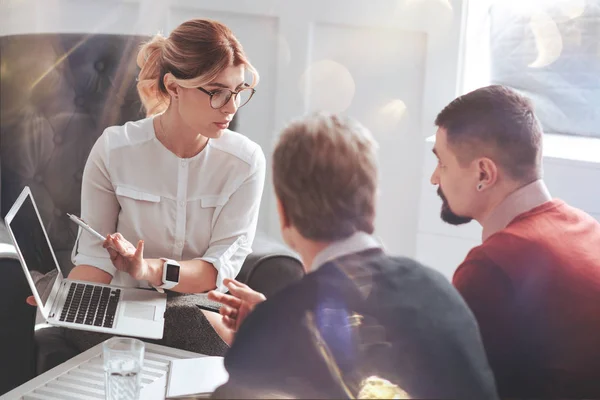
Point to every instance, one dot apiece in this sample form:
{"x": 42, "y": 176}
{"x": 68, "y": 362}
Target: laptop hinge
{"x": 54, "y": 297}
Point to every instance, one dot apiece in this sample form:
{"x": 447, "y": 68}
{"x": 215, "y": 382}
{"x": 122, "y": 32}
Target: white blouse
{"x": 204, "y": 207}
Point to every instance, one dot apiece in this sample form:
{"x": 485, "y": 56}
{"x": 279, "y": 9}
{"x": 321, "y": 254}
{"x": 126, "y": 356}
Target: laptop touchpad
{"x": 139, "y": 310}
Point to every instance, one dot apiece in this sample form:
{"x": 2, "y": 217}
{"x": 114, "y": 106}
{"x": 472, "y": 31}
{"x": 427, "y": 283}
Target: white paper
{"x": 196, "y": 376}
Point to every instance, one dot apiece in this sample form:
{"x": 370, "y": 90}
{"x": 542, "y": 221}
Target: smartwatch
{"x": 170, "y": 275}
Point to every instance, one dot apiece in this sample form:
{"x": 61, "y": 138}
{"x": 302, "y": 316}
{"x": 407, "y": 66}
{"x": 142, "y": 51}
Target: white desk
{"x": 82, "y": 377}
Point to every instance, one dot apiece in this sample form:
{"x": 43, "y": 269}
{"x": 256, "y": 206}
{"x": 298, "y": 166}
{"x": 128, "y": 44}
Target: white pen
{"x": 85, "y": 226}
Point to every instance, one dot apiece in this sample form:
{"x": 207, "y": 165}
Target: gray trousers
{"x": 186, "y": 328}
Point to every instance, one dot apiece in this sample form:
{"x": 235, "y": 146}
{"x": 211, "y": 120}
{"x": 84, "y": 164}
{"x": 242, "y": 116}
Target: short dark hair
{"x": 497, "y": 122}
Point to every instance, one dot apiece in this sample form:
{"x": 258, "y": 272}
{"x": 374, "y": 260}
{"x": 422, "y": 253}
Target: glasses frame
{"x": 231, "y": 94}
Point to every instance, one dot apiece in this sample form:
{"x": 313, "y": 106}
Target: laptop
{"x": 78, "y": 304}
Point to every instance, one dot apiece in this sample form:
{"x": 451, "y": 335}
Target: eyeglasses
{"x": 220, "y": 97}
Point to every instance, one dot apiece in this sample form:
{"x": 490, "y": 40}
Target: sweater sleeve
{"x": 272, "y": 355}
{"x": 489, "y": 294}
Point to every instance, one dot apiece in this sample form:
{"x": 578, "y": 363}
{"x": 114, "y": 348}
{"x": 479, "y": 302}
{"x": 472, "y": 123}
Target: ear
{"x": 488, "y": 172}
{"x": 284, "y": 221}
{"x": 172, "y": 87}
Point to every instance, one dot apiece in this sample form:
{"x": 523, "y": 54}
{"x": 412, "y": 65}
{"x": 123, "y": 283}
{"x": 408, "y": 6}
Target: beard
{"x": 448, "y": 215}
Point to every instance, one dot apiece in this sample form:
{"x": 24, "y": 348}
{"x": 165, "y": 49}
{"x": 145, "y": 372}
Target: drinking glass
{"x": 123, "y": 361}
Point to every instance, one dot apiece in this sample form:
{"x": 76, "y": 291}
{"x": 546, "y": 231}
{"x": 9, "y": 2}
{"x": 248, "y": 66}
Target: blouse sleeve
{"x": 99, "y": 209}
{"x": 235, "y": 225}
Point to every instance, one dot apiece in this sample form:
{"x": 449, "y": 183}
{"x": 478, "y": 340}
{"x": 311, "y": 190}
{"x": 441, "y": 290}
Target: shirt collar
{"x": 357, "y": 242}
{"x": 516, "y": 203}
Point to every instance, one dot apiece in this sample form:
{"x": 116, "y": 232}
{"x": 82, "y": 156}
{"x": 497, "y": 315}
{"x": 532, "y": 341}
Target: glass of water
{"x": 123, "y": 360}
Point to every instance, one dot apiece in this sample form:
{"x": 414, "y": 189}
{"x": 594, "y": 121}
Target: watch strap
{"x": 166, "y": 284}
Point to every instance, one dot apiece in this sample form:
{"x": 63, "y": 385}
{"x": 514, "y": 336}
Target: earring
{"x": 479, "y": 187}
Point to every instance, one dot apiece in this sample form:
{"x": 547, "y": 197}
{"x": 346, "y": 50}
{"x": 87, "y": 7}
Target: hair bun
{"x": 151, "y": 50}
{"x": 150, "y": 61}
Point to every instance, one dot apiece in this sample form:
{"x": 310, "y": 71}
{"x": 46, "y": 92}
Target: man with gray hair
{"x": 358, "y": 312}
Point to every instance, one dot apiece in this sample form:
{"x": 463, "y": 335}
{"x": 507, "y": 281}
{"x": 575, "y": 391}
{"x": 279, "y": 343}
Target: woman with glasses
{"x": 178, "y": 184}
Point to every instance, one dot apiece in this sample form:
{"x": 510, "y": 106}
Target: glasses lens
{"x": 220, "y": 98}
{"x": 244, "y": 97}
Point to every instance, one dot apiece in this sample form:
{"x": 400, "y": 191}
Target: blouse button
{"x": 181, "y": 203}
{"x": 180, "y": 244}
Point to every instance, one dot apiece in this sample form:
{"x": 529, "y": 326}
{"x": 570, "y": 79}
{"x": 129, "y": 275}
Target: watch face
{"x": 173, "y": 273}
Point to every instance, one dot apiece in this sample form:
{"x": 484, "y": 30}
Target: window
{"x": 547, "y": 49}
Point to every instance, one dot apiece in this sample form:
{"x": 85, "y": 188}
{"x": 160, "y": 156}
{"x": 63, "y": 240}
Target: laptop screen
{"x": 31, "y": 240}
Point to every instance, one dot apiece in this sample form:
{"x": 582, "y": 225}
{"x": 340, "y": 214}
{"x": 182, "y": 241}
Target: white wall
{"x": 393, "y": 64}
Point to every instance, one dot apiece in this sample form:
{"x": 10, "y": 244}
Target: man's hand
{"x": 240, "y": 302}
{"x": 128, "y": 258}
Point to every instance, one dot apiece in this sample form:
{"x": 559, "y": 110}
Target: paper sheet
{"x": 196, "y": 376}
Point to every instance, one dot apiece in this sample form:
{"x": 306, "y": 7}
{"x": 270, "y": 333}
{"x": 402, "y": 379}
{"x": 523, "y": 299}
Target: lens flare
{"x": 548, "y": 40}
{"x": 327, "y": 85}
{"x": 390, "y": 114}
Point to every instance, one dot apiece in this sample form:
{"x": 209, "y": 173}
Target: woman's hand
{"x": 238, "y": 304}
{"x": 128, "y": 258}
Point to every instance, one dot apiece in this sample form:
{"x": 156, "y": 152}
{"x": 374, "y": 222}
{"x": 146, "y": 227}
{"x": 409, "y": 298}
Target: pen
{"x": 85, "y": 226}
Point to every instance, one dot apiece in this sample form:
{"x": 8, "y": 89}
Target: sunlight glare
{"x": 524, "y": 7}
{"x": 436, "y": 14}
{"x": 572, "y": 8}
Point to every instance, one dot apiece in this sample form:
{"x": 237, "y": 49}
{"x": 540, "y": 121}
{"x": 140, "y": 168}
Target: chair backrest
{"x": 58, "y": 93}
{"x": 271, "y": 266}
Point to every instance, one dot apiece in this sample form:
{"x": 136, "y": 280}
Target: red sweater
{"x": 534, "y": 288}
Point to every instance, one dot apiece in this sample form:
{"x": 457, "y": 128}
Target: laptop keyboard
{"x": 91, "y": 305}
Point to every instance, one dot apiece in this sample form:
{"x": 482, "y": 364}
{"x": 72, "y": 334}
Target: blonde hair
{"x": 325, "y": 176}
{"x": 194, "y": 54}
